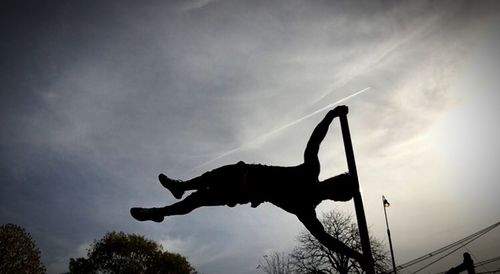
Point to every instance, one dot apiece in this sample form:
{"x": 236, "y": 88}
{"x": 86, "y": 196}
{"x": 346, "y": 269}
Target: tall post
{"x": 386, "y": 204}
{"x": 358, "y": 202}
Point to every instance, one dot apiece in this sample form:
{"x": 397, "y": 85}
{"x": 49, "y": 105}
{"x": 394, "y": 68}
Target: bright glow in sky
{"x": 99, "y": 97}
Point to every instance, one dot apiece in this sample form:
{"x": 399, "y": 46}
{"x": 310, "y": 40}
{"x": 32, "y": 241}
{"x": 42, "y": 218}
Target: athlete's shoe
{"x": 172, "y": 185}
{"x": 146, "y": 214}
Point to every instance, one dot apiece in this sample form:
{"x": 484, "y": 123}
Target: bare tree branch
{"x": 313, "y": 257}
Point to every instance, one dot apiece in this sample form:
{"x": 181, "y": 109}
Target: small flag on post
{"x": 386, "y": 203}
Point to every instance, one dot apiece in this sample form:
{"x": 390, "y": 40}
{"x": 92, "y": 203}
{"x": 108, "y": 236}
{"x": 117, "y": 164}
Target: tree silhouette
{"x": 18, "y": 252}
{"x": 118, "y": 252}
{"x": 276, "y": 263}
{"x": 313, "y": 257}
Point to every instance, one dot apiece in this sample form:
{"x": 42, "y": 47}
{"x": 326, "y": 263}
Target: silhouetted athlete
{"x": 467, "y": 265}
{"x": 295, "y": 189}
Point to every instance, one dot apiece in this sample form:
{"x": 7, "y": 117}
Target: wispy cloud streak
{"x": 266, "y": 136}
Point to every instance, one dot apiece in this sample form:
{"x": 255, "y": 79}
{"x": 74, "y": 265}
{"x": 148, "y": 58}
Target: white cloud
{"x": 196, "y": 4}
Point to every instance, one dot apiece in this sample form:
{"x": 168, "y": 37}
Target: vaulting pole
{"x": 358, "y": 202}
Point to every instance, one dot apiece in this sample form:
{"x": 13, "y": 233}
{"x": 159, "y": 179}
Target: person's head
{"x": 338, "y": 188}
{"x": 467, "y": 257}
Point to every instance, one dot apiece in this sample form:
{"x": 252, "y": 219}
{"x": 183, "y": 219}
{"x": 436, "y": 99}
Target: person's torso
{"x": 286, "y": 187}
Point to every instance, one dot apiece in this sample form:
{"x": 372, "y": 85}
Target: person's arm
{"x": 315, "y": 227}
{"x": 319, "y": 133}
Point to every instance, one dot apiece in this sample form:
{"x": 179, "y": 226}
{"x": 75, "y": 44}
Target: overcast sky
{"x": 99, "y": 97}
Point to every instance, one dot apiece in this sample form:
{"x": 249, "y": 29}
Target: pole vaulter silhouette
{"x": 295, "y": 189}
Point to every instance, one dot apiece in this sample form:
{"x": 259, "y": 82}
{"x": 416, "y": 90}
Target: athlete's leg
{"x": 218, "y": 176}
{"x": 191, "y": 202}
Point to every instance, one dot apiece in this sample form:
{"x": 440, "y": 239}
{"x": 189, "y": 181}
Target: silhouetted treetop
{"x": 18, "y": 252}
{"x": 118, "y": 252}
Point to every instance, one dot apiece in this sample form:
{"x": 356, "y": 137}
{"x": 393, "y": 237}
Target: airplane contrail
{"x": 267, "y": 135}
